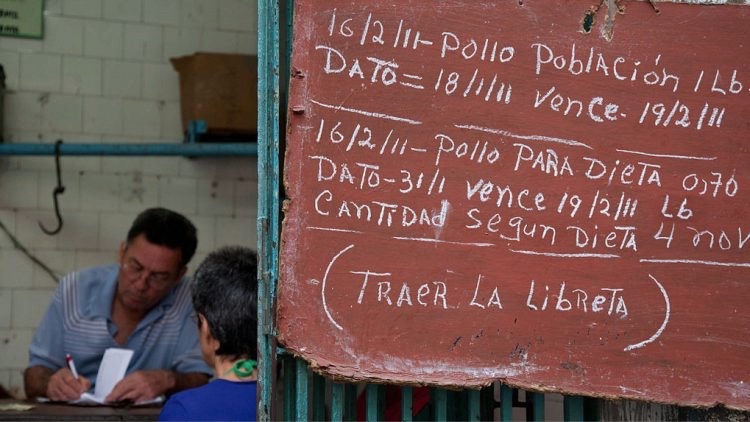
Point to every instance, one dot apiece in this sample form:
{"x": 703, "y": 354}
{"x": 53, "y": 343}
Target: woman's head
{"x": 225, "y": 296}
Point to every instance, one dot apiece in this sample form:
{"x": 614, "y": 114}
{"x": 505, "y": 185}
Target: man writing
{"x": 142, "y": 304}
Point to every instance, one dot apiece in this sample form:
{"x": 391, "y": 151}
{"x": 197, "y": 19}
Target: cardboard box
{"x": 220, "y": 89}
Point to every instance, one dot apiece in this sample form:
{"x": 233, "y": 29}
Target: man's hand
{"x": 147, "y": 385}
{"x": 142, "y": 385}
{"x": 64, "y": 386}
{"x": 41, "y": 381}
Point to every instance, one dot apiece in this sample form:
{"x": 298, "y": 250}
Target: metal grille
{"x": 308, "y": 396}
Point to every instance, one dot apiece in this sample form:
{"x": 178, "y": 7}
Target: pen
{"x": 71, "y": 365}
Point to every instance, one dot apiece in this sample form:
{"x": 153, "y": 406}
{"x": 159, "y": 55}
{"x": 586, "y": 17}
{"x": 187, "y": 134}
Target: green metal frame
{"x": 268, "y": 201}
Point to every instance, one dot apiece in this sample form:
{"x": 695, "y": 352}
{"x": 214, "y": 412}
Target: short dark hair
{"x": 225, "y": 292}
{"x": 166, "y": 228}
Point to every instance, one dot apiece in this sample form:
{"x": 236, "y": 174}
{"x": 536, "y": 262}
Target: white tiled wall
{"x": 102, "y": 74}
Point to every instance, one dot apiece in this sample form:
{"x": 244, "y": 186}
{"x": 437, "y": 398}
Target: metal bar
{"x": 290, "y": 377}
{"x": 140, "y": 149}
{"x": 382, "y": 403}
{"x": 573, "y": 408}
{"x": 267, "y": 150}
{"x": 350, "y": 406}
{"x": 440, "y": 404}
{"x": 337, "y": 402}
{"x": 373, "y": 403}
{"x": 303, "y": 395}
{"x": 319, "y": 397}
{"x": 459, "y": 405}
{"x": 407, "y": 407}
{"x": 487, "y": 402}
{"x": 474, "y": 407}
{"x": 506, "y": 403}
{"x": 537, "y": 405}
{"x": 592, "y": 409}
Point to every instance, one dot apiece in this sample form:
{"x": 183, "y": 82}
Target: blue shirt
{"x": 79, "y": 322}
{"x": 219, "y": 400}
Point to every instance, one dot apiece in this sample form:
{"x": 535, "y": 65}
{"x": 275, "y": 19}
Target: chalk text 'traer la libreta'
{"x": 456, "y": 292}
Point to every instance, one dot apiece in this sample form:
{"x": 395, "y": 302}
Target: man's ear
{"x": 123, "y": 248}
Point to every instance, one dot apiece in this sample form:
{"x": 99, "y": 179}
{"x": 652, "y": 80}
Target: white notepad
{"x": 112, "y": 369}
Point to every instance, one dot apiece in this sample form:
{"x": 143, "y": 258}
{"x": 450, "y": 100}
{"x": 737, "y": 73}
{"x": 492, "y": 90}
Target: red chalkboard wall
{"x": 487, "y": 190}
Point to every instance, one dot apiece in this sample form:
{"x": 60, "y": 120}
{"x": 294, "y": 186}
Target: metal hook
{"x": 58, "y": 190}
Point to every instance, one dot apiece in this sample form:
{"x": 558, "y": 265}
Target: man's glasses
{"x": 135, "y": 271}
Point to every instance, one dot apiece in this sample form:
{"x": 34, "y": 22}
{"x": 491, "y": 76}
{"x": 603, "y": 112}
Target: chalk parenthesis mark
{"x": 323, "y": 287}
{"x": 663, "y": 324}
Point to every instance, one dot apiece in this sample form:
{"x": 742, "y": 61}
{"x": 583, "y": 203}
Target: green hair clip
{"x": 243, "y": 368}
